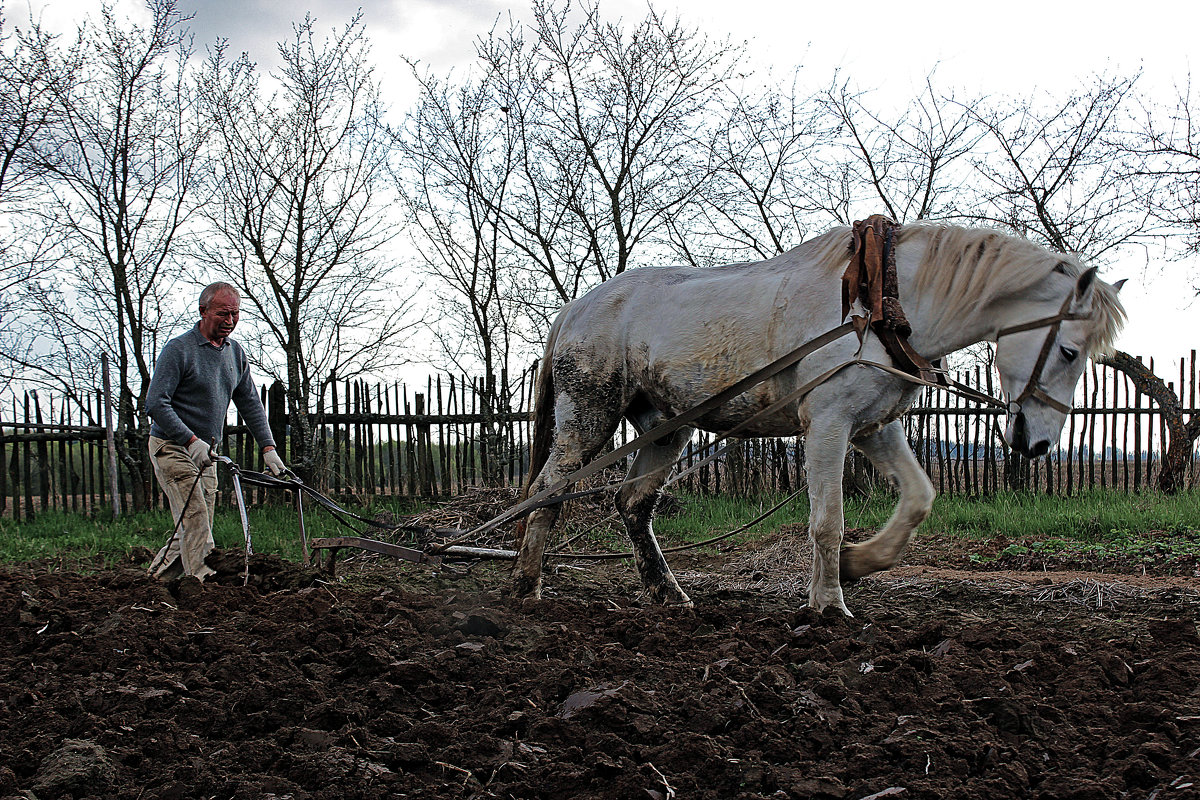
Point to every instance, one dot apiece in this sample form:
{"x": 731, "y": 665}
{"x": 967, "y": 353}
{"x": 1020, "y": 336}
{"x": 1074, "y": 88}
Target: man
{"x": 196, "y": 376}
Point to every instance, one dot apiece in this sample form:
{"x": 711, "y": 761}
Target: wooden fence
{"x": 438, "y": 439}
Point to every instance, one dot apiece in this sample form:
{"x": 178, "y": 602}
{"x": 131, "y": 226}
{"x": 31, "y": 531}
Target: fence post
{"x": 277, "y": 419}
{"x": 45, "y": 473}
{"x": 110, "y": 437}
{"x": 424, "y": 449}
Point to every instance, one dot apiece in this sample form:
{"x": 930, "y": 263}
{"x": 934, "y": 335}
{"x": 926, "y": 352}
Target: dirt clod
{"x": 76, "y": 766}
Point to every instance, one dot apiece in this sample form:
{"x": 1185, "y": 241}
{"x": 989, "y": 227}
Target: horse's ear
{"x": 1085, "y": 285}
{"x": 1117, "y": 286}
{"x": 1085, "y": 281}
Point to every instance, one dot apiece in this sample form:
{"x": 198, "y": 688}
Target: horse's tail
{"x": 543, "y": 413}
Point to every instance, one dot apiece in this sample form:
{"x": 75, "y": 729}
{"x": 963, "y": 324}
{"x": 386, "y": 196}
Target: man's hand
{"x": 274, "y": 463}
{"x": 200, "y": 453}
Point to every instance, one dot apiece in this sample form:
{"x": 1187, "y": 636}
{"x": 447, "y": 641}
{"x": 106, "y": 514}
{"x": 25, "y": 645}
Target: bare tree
{"x": 486, "y": 218}
{"x": 906, "y": 163}
{"x": 299, "y": 206}
{"x": 457, "y": 160}
{"x": 548, "y": 169}
{"x": 117, "y": 166}
{"x": 759, "y": 199}
{"x": 1057, "y": 171}
{"x": 27, "y": 78}
{"x": 552, "y": 246}
{"x": 630, "y": 106}
{"x": 26, "y": 112}
{"x": 1168, "y": 142}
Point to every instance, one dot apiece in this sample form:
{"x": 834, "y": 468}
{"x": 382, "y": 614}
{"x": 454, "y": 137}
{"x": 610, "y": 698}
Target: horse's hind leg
{"x": 580, "y": 432}
{"x": 889, "y": 452}
{"x": 635, "y": 502}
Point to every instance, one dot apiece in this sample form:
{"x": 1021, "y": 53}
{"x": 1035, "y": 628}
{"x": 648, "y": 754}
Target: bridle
{"x": 1033, "y": 388}
{"x": 870, "y": 278}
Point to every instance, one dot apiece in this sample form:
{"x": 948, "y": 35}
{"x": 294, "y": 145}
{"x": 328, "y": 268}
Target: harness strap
{"x": 1062, "y": 316}
{"x": 1036, "y": 392}
{"x": 908, "y": 359}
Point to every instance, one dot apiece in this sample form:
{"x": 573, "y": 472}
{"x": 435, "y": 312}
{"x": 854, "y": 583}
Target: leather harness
{"x": 870, "y": 278}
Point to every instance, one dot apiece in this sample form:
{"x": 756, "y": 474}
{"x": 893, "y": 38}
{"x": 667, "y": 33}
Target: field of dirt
{"x": 402, "y": 681}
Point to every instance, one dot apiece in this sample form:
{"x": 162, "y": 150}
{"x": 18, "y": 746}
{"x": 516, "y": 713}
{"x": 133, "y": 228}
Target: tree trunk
{"x": 302, "y": 449}
{"x": 1174, "y": 472}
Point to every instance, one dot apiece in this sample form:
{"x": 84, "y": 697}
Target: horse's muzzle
{"x": 1020, "y": 440}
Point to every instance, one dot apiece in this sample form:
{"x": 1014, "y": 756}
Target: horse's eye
{"x": 1069, "y": 353}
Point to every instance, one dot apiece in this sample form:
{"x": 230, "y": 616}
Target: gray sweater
{"x": 192, "y": 385}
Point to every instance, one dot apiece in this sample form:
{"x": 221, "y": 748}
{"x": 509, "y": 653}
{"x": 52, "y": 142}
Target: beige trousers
{"x": 194, "y": 502}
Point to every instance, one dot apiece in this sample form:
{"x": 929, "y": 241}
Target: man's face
{"x": 220, "y": 317}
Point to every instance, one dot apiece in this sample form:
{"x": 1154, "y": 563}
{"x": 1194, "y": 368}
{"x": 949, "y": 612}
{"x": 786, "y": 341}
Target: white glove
{"x": 274, "y": 463}
{"x": 200, "y": 453}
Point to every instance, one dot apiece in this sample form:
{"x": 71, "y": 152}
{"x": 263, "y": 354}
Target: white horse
{"x": 655, "y": 341}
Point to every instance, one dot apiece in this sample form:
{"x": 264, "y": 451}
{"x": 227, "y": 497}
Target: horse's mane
{"x": 968, "y": 268}
{"x": 830, "y": 251}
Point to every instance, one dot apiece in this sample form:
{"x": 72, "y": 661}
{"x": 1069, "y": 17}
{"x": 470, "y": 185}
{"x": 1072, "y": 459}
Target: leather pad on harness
{"x": 870, "y": 278}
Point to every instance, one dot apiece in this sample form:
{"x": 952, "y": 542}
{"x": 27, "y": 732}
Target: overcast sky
{"x": 1015, "y": 48}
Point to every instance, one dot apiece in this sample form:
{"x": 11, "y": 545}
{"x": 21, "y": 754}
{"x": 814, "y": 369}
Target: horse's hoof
{"x": 667, "y": 597}
{"x": 845, "y": 611}
{"x": 525, "y": 589}
{"x": 855, "y": 563}
{"x": 828, "y": 603}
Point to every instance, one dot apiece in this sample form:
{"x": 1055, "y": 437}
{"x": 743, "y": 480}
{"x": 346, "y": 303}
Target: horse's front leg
{"x": 889, "y": 451}
{"x": 825, "y": 453}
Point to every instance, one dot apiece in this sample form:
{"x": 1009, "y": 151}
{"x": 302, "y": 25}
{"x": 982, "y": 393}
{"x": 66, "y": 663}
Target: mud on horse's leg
{"x": 577, "y": 438}
{"x": 527, "y": 572}
{"x": 635, "y": 502}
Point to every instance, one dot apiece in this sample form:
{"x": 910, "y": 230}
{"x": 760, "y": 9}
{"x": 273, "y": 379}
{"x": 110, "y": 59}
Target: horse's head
{"x": 1040, "y": 359}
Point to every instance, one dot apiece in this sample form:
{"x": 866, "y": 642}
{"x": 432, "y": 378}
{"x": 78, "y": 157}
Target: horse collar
{"x": 871, "y": 278}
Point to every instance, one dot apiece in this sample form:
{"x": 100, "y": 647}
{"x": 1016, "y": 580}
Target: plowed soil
{"x": 403, "y": 681}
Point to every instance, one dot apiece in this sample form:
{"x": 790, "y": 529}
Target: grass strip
{"x": 1097, "y": 520}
